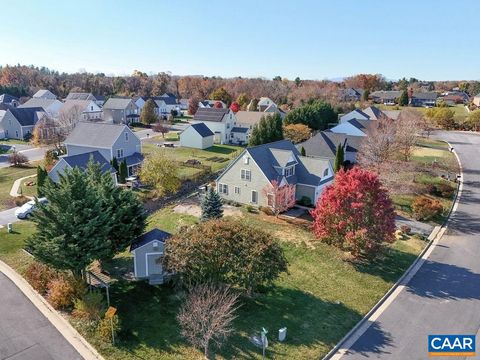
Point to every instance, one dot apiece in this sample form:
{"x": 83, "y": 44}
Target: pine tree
{"x": 211, "y": 205}
{"x": 403, "y": 99}
{"x": 114, "y": 163}
{"x": 254, "y": 139}
{"x": 339, "y": 158}
{"x": 276, "y": 119}
{"x": 42, "y": 176}
{"x": 123, "y": 172}
{"x": 303, "y": 152}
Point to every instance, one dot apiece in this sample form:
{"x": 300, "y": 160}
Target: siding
{"x": 10, "y": 125}
{"x": 139, "y": 254}
{"x": 76, "y": 149}
{"x": 130, "y": 146}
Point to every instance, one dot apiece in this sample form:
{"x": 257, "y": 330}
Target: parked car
{"x": 27, "y": 209}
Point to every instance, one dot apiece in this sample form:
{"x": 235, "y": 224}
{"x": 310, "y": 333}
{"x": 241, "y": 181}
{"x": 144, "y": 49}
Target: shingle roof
{"x": 81, "y": 161}
{"x": 134, "y": 159}
{"x": 80, "y": 96}
{"x": 202, "y": 129}
{"x": 71, "y": 104}
{"x": 152, "y": 235}
{"x": 241, "y": 130}
{"x": 324, "y": 144}
{"x": 7, "y": 98}
{"x": 250, "y": 117}
{"x": 26, "y": 116}
{"x": 431, "y": 95}
{"x": 39, "y": 102}
{"x": 360, "y": 124}
{"x": 117, "y": 103}
{"x": 101, "y": 135}
{"x": 210, "y": 114}
{"x": 44, "y": 94}
{"x": 373, "y": 113}
{"x": 386, "y": 95}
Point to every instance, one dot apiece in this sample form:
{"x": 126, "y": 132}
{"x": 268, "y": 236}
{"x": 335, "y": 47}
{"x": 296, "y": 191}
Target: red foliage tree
{"x": 218, "y": 105}
{"x": 280, "y": 197}
{"x": 235, "y": 107}
{"x": 355, "y": 213}
{"x": 193, "y": 105}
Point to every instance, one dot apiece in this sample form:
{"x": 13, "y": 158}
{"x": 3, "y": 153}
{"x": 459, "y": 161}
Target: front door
{"x": 154, "y": 264}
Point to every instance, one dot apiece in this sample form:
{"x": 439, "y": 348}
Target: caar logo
{"x": 451, "y": 345}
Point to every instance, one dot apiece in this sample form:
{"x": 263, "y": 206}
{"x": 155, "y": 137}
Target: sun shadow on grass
{"x": 220, "y": 150}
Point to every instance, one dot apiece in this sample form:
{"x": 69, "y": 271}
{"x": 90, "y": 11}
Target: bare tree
{"x": 17, "y": 159}
{"x": 207, "y": 316}
{"x": 408, "y": 126}
{"x": 280, "y": 198}
{"x": 380, "y": 143}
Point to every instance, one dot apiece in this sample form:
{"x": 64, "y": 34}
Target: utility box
{"x": 282, "y": 334}
{"x": 9, "y": 227}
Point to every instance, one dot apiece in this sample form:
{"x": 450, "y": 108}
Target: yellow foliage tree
{"x": 296, "y": 132}
{"x": 161, "y": 172}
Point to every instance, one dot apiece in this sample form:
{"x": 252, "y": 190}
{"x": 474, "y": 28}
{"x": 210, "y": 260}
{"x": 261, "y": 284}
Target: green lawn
{"x": 13, "y": 142}
{"x": 8, "y": 176}
{"x": 11, "y": 245}
{"x": 460, "y": 112}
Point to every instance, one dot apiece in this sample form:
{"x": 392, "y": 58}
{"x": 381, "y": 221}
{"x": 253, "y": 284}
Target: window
{"x": 325, "y": 173}
{"x": 91, "y": 108}
{"x": 119, "y": 153}
{"x": 270, "y": 199}
{"x": 126, "y": 136}
{"x": 237, "y": 190}
{"x": 246, "y": 175}
{"x": 16, "y": 133}
{"x": 254, "y": 196}
{"x": 223, "y": 189}
{"x": 246, "y": 159}
{"x": 289, "y": 171}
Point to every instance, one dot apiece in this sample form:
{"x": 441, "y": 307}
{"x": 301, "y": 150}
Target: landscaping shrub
{"x": 425, "y": 208}
{"x": 20, "y": 200}
{"x": 442, "y": 190}
{"x": 63, "y": 290}
{"x": 305, "y": 201}
{"x": 250, "y": 208}
{"x": 89, "y": 307}
{"x": 266, "y": 210}
{"x": 104, "y": 328}
{"x": 39, "y": 275}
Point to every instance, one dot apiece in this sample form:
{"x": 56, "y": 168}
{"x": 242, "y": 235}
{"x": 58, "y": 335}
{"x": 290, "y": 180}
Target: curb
{"x": 63, "y": 326}
{"x": 338, "y": 351}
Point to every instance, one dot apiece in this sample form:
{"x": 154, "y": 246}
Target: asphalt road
{"x": 444, "y": 295}
{"x": 8, "y": 216}
{"x": 32, "y": 153}
{"x": 25, "y": 334}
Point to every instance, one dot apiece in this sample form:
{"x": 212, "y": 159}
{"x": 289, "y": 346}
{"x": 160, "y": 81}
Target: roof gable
{"x": 148, "y": 237}
{"x": 202, "y": 130}
{"x": 101, "y": 135}
{"x": 81, "y": 161}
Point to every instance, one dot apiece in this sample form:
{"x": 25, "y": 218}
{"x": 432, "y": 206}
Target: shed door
{"x": 154, "y": 264}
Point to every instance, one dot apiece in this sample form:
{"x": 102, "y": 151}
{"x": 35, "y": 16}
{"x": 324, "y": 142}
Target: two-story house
{"x": 103, "y": 142}
{"x": 18, "y": 123}
{"x": 120, "y": 110}
{"x": 324, "y": 145}
{"x": 219, "y": 121}
{"x": 84, "y": 110}
{"x": 248, "y": 178}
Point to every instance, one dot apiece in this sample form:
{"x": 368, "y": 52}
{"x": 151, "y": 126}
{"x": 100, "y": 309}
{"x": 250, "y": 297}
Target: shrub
{"x": 425, "y": 208}
{"x": 20, "y": 200}
{"x": 250, "y": 208}
{"x": 405, "y": 229}
{"x": 445, "y": 191}
{"x": 39, "y": 275}
{"x": 305, "y": 201}
{"x": 266, "y": 210}
{"x": 104, "y": 328}
{"x": 63, "y": 290}
{"x": 17, "y": 159}
{"x": 89, "y": 307}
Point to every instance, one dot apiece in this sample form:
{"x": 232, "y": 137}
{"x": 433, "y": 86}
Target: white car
{"x": 27, "y": 209}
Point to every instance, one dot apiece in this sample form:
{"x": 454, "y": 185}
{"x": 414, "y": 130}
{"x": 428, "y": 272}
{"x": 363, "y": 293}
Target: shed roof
{"x": 152, "y": 235}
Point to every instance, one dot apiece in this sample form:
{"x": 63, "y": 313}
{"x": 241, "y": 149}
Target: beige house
{"x": 249, "y": 177}
{"x": 476, "y": 100}
{"x": 197, "y": 136}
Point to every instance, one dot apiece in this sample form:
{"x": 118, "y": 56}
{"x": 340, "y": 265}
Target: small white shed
{"x": 197, "y": 136}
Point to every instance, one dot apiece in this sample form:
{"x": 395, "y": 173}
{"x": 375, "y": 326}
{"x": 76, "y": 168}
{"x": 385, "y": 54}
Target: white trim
{"x": 160, "y": 241}
{"x": 146, "y": 261}
{"x": 134, "y": 263}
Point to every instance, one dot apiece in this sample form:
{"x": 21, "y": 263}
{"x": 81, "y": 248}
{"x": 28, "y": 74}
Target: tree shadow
{"x": 373, "y": 340}
{"x": 463, "y": 222}
{"x": 220, "y": 150}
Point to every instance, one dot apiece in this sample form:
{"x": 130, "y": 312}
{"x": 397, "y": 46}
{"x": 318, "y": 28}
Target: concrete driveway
{"x": 443, "y": 297}
{"x": 25, "y": 334}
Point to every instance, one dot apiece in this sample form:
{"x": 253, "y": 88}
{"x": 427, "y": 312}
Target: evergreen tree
{"x": 303, "y": 152}
{"x": 211, "y": 205}
{"x": 339, "y": 158}
{"x": 42, "y": 176}
{"x": 254, "y": 139}
{"x": 365, "y": 95}
{"x": 148, "y": 115}
{"x": 114, "y": 163}
{"x": 403, "y": 99}
{"x": 123, "y": 172}
{"x": 268, "y": 129}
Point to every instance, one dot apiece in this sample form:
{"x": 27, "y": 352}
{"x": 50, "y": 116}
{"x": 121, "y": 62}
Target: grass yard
{"x": 321, "y": 298}
{"x": 8, "y": 175}
{"x": 11, "y": 245}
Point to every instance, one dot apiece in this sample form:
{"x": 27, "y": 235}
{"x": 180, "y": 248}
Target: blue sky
{"x": 427, "y": 39}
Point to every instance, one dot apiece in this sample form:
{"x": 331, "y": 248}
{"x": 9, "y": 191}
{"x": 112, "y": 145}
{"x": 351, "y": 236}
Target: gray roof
{"x": 202, "y": 129}
{"x": 241, "y": 130}
{"x": 44, "y": 94}
{"x": 39, "y": 102}
{"x": 81, "y": 161}
{"x": 431, "y": 95}
{"x": 80, "y": 96}
{"x": 210, "y": 114}
{"x": 373, "y": 112}
{"x": 273, "y": 155}
{"x": 152, "y": 235}
{"x": 361, "y": 124}
{"x": 250, "y": 117}
{"x": 117, "y": 103}
{"x": 96, "y": 134}
{"x": 134, "y": 159}
{"x": 25, "y": 116}
{"x": 167, "y": 100}
{"x": 7, "y": 98}
{"x": 386, "y": 95}
{"x": 324, "y": 144}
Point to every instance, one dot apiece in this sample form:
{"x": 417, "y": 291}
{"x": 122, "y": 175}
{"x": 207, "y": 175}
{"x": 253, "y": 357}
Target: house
{"x": 50, "y": 106}
{"x": 211, "y": 104}
{"x": 7, "y": 99}
{"x": 100, "y": 100}
{"x": 120, "y": 110}
{"x": 80, "y": 96}
{"x": 44, "y": 94}
{"x": 273, "y": 108}
{"x": 219, "y": 121}
{"x": 264, "y": 103}
{"x": 108, "y": 139}
{"x": 18, "y": 123}
{"x": 385, "y": 97}
{"x": 148, "y": 251}
{"x": 425, "y": 99}
{"x": 324, "y": 144}
{"x": 183, "y": 104}
{"x": 85, "y": 109}
{"x": 239, "y": 135}
{"x": 374, "y": 113}
{"x": 81, "y": 161}
{"x": 353, "y": 127}
{"x": 248, "y": 178}
{"x": 354, "y": 114}
{"x": 476, "y": 100}
{"x": 351, "y": 94}
{"x": 166, "y": 105}
{"x": 197, "y": 136}
{"x": 245, "y": 122}
{"x": 140, "y": 102}
{"x": 169, "y": 95}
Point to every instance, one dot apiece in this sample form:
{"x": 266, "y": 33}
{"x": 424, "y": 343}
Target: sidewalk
{"x": 62, "y": 325}
{"x": 16, "y": 185}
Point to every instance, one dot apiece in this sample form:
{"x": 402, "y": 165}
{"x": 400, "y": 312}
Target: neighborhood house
{"x": 197, "y": 136}
{"x": 219, "y": 121}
